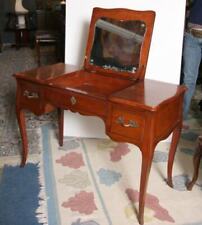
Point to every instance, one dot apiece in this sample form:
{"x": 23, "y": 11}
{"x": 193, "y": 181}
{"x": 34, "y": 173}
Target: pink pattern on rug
{"x": 152, "y": 202}
{"x": 73, "y": 160}
{"x": 120, "y": 150}
{"x": 83, "y": 202}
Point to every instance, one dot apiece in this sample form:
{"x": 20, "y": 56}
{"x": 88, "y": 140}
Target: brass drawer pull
{"x": 29, "y": 94}
{"x": 73, "y": 100}
{"x": 130, "y": 123}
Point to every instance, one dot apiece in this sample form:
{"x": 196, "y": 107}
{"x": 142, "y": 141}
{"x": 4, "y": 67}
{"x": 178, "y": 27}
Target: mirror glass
{"x": 117, "y": 44}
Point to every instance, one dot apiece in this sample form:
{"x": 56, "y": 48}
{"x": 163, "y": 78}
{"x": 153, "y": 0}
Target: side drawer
{"x": 30, "y": 96}
{"x": 128, "y": 123}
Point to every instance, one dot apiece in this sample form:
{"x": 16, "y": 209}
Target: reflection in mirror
{"x": 117, "y": 44}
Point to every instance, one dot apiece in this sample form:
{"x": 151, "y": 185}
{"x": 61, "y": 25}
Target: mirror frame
{"x": 147, "y": 17}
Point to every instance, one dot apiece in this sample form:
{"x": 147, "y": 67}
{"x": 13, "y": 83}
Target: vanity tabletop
{"x": 46, "y": 73}
{"x": 148, "y": 94}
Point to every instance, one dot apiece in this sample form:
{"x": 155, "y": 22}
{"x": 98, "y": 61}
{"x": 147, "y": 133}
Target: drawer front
{"x": 30, "y": 96}
{"x": 76, "y": 102}
{"x": 129, "y": 124}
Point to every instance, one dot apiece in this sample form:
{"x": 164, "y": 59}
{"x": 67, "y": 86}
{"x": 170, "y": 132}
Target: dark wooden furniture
{"x": 46, "y": 33}
{"x": 111, "y": 85}
{"x": 196, "y": 162}
{"x": 44, "y": 37}
{"x": 50, "y": 31}
{"x": 23, "y": 33}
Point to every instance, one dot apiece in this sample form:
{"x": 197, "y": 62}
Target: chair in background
{"x": 46, "y": 33}
{"x": 43, "y": 38}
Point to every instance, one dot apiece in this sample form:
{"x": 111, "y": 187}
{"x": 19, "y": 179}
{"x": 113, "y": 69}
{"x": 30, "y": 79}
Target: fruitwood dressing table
{"x": 110, "y": 85}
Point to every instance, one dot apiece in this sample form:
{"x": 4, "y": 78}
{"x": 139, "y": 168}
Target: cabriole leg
{"x": 145, "y": 171}
{"x": 22, "y": 126}
{"x": 61, "y": 125}
{"x": 172, "y": 151}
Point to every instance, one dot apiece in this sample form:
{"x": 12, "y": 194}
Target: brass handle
{"x": 130, "y": 123}
{"x": 29, "y": 94}
{"x": 73, "y": 100}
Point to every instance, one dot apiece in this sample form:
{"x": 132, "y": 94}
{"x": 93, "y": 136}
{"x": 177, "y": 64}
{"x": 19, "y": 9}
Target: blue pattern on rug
{"x": 95, "y": 183}
{"x": 52, "y": 203}
{"x": 188, "y": 151}
{"x": 180, "y": 182}
{"x": 189, "y": 136}
{"x": 160, "y": 156}
{"x": 108, "y": 177}
{"x": 69, "y": 144}
{"x": 90, "y": 222}
{"x": 19, "y": 190}
{"x": 200, "y": 186}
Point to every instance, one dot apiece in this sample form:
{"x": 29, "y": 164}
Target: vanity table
{"x": 110, "y": 85}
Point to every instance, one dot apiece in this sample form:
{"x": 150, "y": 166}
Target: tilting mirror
{"x": 117, "y": 44}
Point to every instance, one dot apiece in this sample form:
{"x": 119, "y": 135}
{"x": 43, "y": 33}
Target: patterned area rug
{"x": 96, "y": 182}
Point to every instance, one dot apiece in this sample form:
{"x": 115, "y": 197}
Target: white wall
{"x": 165, "y": 53}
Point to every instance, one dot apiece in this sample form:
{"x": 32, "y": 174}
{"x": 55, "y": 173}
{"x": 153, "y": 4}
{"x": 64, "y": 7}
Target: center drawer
{"x": 76, "y": 102}
{"x": 129, "y": 124}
